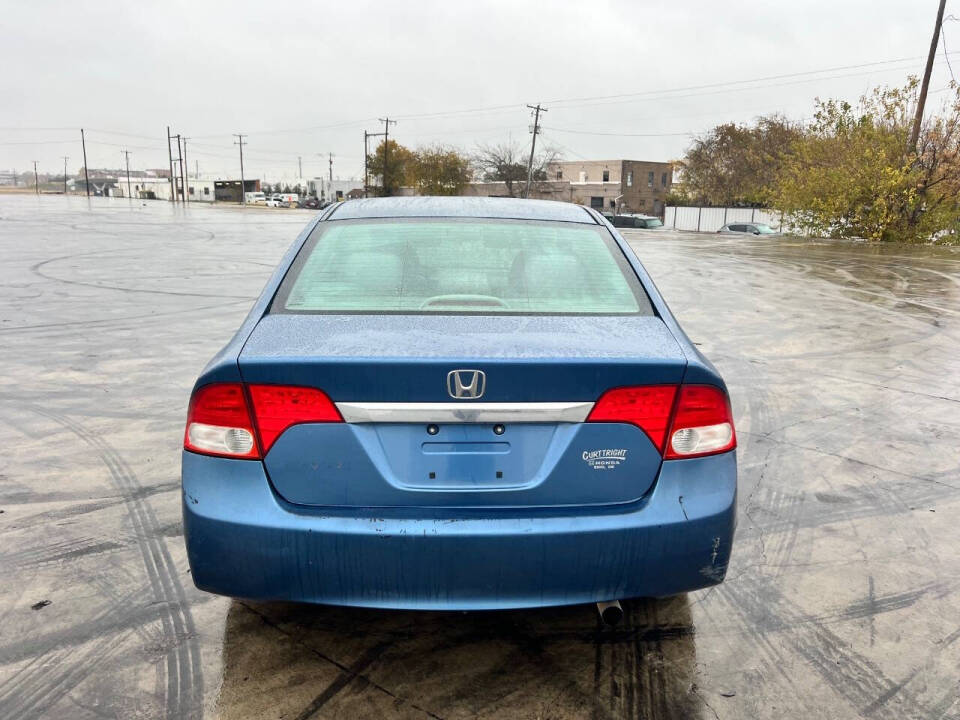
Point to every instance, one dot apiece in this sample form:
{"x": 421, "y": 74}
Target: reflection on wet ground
{"x": 559, "y": 662}
{"x": 843, "y": 594}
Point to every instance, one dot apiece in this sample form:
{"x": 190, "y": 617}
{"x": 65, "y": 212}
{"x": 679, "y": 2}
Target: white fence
{"x": 711, "y": 219}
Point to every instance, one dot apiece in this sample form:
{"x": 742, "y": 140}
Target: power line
{"x": 667, "y": 94}
{"x": 615, "y": 134}
{"x": 946, "y": 55}
{"x": 348, "y": 124}
{"x": 559, "y": 144}
{"x": 39, "y": 142}
{"x": 513, "y": 106}
{"x": 700, "y": 90}
{"x": 764, "y": 78}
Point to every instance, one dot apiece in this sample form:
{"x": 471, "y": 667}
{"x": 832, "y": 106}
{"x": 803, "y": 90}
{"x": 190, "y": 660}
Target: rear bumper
{"x": 243, "y": 541}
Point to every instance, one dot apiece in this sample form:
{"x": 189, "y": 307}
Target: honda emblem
{"x": 466, "y": 384}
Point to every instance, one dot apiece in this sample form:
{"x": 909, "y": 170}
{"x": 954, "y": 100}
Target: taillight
{"x": 220, "y": 420}
{"x": 702, "y": 423}
{"x": 648, "y": 407}
{"x": 701, "y": 420}
{"x": 277, "y": 407}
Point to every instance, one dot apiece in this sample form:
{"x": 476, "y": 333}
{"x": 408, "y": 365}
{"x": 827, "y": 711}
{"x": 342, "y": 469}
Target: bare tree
{"x": 507, "y": 163}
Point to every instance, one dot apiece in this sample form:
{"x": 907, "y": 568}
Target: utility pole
{"x": 36, "y": 178}
{"x": 186, "y": 171}
{"x": 934, "y": 41}
{"x": 386, "y": 151}
{"x": 183, "y": 188}
{"x": 366, "y": 150}
{"x": 299, "y": 168}
{"x": 86, "y": 173}
{"x": 173, "y": 189}
{"x": 126, "y": 154}
{"x": 65, "y": 158}
{"x": 243, "y": 184}
{"x": 331, "y": 166}
{"x": 533, "y": 145}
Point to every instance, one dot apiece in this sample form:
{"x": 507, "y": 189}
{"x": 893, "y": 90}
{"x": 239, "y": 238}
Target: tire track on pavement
{"x": 184, "y": 694}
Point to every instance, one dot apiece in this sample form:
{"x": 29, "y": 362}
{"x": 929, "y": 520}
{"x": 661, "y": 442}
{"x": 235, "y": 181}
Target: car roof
{"x": 461, "y": 207}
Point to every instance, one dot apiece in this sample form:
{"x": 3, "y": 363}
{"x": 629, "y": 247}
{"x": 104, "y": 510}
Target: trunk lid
{"x": 549, "y": 367}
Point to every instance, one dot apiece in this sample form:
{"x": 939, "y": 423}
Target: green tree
{"x": 737, "y": 165}
{"x": 853, "y": 174}
{"x": 439, "y": 170}
{"x": 392, "y": 164}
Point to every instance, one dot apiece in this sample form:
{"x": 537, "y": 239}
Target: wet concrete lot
{"x": 843, "y": 595}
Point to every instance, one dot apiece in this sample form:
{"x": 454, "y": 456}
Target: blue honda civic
{"x": 459, "y": 403}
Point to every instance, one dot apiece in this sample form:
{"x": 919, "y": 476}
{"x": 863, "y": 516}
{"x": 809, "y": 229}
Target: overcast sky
{"x": 284, "y": 74}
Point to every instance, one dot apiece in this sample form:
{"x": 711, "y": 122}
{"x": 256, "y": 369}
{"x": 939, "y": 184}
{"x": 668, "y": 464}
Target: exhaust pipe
{"x": 610, "y": 612}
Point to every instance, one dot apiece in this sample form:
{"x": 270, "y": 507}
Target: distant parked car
{"x": 645, "y": 222}
{"x": 276, "y": 202}
{"x": 648, "y": 222}
{"x": 311, "y": 202}
{"x": 747, "y": 229}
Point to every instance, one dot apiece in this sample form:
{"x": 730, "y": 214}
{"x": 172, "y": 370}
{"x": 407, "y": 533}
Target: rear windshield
{"x": 461, "y": 267}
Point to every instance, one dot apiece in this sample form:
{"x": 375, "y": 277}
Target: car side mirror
{"x": 756, "y": 232}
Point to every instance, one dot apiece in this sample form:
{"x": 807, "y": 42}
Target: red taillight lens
{"x": 648, "y": 407}
{"x": 702, "y": 423}
{"x": 218, "y": 422}
{"x": 277, "y": 407}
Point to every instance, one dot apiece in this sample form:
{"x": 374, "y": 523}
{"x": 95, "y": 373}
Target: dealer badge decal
{"x": 607, "y": 459}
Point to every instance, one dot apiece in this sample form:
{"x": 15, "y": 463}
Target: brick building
{"x": 636, "y": 186}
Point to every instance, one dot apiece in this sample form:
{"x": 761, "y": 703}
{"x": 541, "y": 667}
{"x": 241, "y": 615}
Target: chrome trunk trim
{"x": 545, "y": 412}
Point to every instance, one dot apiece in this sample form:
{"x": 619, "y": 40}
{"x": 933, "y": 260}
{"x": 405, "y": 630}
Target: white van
{"x": 255, "y": 198}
